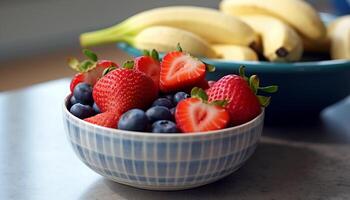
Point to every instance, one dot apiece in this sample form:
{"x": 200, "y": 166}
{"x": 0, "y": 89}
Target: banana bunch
{"x": 148, "y": 39}
{"x": 285, "y": 27}
{"x": 162, "y": 28}
{"x": 280, "y": 42}
{"x": 234, "y": 52}
{"x": 278, "y": 30}
{"x": 339, "y": 34}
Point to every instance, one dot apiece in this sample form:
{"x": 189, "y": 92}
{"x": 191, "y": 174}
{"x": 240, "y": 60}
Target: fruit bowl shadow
{"x": 158, "y": 161}
{"x": 305, "y": 88}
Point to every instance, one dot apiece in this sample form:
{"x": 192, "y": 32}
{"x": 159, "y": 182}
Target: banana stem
{"x": 92, "y": 39}
{"x": 112, "y": 34}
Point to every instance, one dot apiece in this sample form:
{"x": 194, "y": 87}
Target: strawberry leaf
{"x": 269, "y": 89}
{"x": 178, "y": 47}
{"x": 194, "y": 91}
{"x": 221, "y": 103}
{"x": 74, "y": 64}
{"x": 107, "y": 70}
{"x": 264, "y": 101}
{"x": 86, "y": 65}
{"x": 145, "y": 52}
{"x": 129, "y": 64}
{"x": 254, "y": 83}
{"x": 210, "y": 68}
{"x": 197, "y": 92}
{"x": 242, "y": 72}
{"x": 155, "y": 54}
{"x": 91, "y": 55}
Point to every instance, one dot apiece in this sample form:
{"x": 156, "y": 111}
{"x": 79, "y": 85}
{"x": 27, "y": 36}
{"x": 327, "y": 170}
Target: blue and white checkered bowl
{"x": 162, "y": 161}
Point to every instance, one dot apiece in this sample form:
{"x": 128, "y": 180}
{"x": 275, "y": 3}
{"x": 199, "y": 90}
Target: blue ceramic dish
{"x": 158, "y": 161}
{"x": 305, "y": 88}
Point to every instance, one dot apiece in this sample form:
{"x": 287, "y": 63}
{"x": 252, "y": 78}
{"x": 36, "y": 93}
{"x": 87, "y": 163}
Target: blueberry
{"x": 96, "y": 108}
{"x": 133, "y": 120}
{"x": 82, "y": 111}
{"x": 83, "y": 94}
{"x": 172, "y": 111}
{"x": 158, "y": 113}
{"x": 180, "y": 96}
{"x": 168, "y": 96}
{"x": 72, "y": 100}
{"x": 164, "y": 126}
{"x": 163, "y": 102}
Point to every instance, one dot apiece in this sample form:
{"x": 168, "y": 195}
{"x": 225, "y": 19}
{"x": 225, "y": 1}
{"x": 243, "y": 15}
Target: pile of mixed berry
{"x": 168, "y": 96}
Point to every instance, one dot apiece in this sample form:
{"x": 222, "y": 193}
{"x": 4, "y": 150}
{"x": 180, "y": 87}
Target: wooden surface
{"x": 36, "y": 161}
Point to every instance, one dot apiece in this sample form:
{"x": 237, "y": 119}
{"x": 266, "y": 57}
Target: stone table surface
{"x": 291, "y": 162}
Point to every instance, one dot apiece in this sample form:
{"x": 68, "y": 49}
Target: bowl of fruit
{"x": 306, "y": 54}
{"x": 160, "y": 125}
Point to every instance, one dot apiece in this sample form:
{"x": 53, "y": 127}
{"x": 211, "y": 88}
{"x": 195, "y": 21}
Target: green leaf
{"x": 264, "y": 101}
{"x": 254, "y": 83}
{"x": 210, "y": 68}
{"x": 242, "y": 72}
{"x": 269, "y": 89}
{"x": 145, "y": 52}
{"x": 155, "y": 54}
{"x": 178, "y": 47}
{"x": 199, "y": 93}
{"x": 129, "y": 64}
{"x": 74, "y": 64}
{"x": 194, "y": 91}
{"x": 91, "y": 55}
{"x": 107, "y": 70}
{"x": 86, "y": 65}
{"x": 221, "y": 103}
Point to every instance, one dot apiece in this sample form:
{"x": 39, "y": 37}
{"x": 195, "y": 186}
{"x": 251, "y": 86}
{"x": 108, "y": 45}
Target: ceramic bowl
{"x": 305, "y": 88}
{"x": 162, "y": 161}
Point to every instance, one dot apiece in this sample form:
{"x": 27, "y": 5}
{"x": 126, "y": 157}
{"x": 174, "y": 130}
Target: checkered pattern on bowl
{"x": 162, "y": 161}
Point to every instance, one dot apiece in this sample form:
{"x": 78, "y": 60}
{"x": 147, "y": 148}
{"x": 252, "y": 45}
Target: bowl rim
{"x": 165, "y": 135}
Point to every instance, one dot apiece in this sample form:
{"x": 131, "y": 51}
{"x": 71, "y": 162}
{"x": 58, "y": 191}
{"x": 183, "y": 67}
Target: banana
{"x": 296, "y": 13}
{"x": 212, "y": 25}
{"x": 321, "y": 46}
{"x": 234, "y": 52}
{"x": 164, "y": 39}
{"x": 339, "y": 33}
{"x": 280, "y": 42}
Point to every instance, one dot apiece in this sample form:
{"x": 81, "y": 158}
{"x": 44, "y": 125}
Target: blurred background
{"x": 36, "y": 36}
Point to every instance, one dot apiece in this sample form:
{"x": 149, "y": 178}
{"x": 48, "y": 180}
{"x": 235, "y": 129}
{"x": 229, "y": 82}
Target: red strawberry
{"x": 89, "y": 70}
{"x": 149, "y": 66}
{"x": 78, "y": 78}
{"x": 180, "y": 70}
{"x": 203, "y": 84}
{"x": 123, "y": 89}
{"x": 106, "y": 64}
{"x": 107, "y": 119}
{"x": 196, "y": 115}
{"x": 240, "y": 92}
{"x": 243, "y": 104}
{"x": 211, "y": 83}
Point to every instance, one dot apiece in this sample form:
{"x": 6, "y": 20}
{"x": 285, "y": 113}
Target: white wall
{"x": 32, "y": 26}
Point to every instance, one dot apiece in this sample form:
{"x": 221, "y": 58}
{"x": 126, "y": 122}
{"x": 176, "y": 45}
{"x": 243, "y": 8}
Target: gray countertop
{"x": 294, "y": 162}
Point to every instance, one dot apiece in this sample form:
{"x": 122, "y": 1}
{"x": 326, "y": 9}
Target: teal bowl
{"x": 305, "y": 88}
